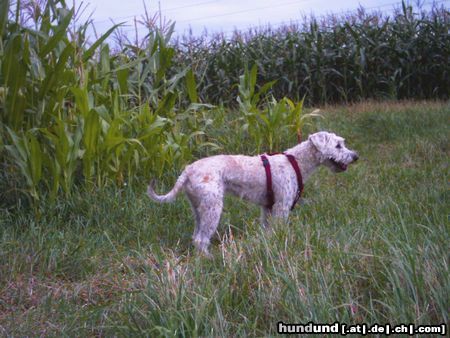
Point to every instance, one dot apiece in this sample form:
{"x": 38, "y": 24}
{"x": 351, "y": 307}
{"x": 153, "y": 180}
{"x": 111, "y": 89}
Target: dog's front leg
{"x": 265, "y": 214}
{"x": 280, "y": 211}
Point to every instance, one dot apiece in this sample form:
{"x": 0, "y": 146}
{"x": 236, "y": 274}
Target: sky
{"x": 222, "y": 15}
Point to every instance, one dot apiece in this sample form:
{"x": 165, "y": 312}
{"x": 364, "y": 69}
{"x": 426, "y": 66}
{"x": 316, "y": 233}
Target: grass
{"x": 370, "y": 245}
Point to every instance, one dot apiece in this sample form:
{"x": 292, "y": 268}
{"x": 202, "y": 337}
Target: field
{"x": 366, "y": 246}
{"x": 86, "y": 122}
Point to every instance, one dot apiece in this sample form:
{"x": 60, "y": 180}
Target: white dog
{"x": 207, "y": 180}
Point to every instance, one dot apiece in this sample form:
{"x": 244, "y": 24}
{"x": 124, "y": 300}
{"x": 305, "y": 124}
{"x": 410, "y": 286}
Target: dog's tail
{"x": 170, "y": 196}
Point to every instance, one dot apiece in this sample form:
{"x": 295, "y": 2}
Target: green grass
{"x": 369, "y": 245}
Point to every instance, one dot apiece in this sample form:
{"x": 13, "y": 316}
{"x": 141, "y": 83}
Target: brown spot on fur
{"x": 206, "y": 179}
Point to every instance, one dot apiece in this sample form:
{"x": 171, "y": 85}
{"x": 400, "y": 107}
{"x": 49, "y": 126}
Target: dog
{"x": 207, "y": 180}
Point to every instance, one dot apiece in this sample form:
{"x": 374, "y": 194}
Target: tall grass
{"x": 366, "y": 246}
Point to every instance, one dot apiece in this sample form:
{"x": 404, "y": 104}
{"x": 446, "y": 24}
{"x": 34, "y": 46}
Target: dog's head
{"x": 331, "y": 151}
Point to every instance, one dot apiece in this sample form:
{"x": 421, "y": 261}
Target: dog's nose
{"x": 355, "y": 157}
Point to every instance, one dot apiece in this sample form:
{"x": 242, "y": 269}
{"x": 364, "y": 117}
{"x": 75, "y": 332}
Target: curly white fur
{"x": 207, "y": 180}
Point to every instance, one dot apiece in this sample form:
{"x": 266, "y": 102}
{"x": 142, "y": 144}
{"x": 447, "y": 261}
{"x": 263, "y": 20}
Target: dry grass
{"x": 370, "y": 106}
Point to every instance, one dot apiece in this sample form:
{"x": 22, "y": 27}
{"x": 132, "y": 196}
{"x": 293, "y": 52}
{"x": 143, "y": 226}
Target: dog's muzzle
{"x": 341, "y": 166}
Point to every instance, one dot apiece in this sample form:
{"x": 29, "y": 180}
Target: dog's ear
{"x": 320, "y": 140}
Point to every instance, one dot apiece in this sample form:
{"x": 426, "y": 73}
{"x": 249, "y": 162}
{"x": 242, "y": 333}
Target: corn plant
{"x": 74, "y": 113}
{"x": 266, "y": 119}
{"x": 28, "y": 156}
{"x": 249, "y": 100}
{"x": 62, "y": 154}
{"x": 332, "y": 59}
{"x": 297, "y": 118}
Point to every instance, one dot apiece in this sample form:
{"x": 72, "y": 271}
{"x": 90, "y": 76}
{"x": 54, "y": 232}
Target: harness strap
{"x": 294, "y": 164}
{"x": 270, "y": 194}
{"x": 270, "y": 197}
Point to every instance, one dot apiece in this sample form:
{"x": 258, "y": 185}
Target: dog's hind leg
{"x": 265, "y": 215}
{"x": 207, "y": 212}
{"x": 194, "y": 205}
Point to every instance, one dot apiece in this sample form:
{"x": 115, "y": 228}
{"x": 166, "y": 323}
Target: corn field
{"x": 78, "y": 112}
{"x": 73, "y": 112}
{"x": 335, "y": 59}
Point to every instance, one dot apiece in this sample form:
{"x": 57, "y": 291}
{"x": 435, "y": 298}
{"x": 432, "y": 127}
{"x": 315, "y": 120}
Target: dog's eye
{"x": 338, "y": 146}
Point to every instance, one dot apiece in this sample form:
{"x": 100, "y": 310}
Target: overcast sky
{"x": 224, "y": 15}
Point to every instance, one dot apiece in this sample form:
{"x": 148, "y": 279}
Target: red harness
{"x": 270, "y": 195}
